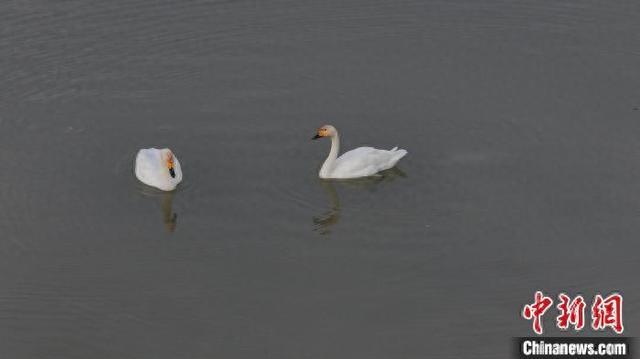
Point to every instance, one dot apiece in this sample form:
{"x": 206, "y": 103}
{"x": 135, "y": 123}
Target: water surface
{"x": 523, "y": 173}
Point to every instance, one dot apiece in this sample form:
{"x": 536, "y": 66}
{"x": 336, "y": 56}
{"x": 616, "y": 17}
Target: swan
{"x": 158, "y": 168}
{"x": 359, "y": 162}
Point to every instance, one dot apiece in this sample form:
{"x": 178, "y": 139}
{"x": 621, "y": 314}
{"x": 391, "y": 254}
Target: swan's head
{"x": 167, "y": 160}
{"x": 325, "y": 131}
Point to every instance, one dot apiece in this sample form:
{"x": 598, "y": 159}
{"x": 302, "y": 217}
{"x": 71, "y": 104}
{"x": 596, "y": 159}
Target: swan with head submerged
{"x": 158, "y": 168}
{"x": 359, "y": 162}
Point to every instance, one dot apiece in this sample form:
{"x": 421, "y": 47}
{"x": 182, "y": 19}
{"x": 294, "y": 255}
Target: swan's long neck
{"x": 329, "y": 163}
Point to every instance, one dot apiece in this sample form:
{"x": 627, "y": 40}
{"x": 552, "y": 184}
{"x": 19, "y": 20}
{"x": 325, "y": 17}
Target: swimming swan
{"x": 360, "y": 162}
{"x": 158, "y": 168}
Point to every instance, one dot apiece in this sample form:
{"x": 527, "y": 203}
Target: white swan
{"x": 360, "y": 162}
{"x": 158, "y": 168}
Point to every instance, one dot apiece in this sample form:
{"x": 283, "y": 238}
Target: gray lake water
{"x": 522, "y": 125}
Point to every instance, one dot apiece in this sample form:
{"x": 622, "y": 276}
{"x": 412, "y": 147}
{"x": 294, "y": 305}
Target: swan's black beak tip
{"x": 316, "y": 137}
{"x": 172, "y": 173}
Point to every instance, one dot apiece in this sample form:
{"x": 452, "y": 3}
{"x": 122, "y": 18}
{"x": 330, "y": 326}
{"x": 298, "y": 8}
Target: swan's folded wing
{"x": 366, "y": 161}
{"x": 145, "y": 170}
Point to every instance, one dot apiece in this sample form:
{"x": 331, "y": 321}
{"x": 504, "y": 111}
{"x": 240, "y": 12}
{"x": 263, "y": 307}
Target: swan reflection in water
{"x": 324, "y": 222}
{"x": 169, "y": 218}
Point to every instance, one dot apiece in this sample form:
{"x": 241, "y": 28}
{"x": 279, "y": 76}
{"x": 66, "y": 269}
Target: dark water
{"x": 521, "y": 121}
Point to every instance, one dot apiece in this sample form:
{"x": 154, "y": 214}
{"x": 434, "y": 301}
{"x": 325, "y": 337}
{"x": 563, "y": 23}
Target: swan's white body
{"x": 359, "y": 162}
{"x": 152, "y": 170}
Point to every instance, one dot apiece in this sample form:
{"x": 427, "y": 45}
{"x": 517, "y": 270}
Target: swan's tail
{"x": 396, "y": 155}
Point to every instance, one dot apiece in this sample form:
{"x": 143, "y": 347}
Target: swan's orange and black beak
{"x": 316, "y": 137}
{"x": 172, "y": 172}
